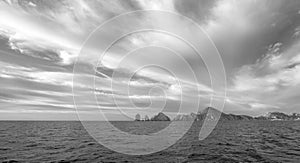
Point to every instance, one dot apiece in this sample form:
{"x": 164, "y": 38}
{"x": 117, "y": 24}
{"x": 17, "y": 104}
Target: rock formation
{"x": 146, "y": 118}
{"x": 281, "y": 116}
{"x": 137, "y": 117}
{"x": 213, "y": 114}
{"x": 160, "y": 117}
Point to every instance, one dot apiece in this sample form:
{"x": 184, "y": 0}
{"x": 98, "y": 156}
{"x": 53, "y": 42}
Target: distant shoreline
{"x": 124, "y": 121}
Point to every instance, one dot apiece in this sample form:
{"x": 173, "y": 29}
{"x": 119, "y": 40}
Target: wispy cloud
{"x": 40, "y": 40}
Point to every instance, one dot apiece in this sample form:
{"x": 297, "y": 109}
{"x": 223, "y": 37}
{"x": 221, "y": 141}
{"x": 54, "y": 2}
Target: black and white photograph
{"x": 150, "y": 81}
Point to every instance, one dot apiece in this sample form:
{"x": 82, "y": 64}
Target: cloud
{"x": 166, "y": 5}
{"x": 274, "y": 71}
{"x": 32, "y": 74}
{"x": 40, "y": 40}
{"x": 262, "y": 106}
{"x": 54, "y": 31}
{"x": 272, "y": 81}
{"x": 33, "y": 39}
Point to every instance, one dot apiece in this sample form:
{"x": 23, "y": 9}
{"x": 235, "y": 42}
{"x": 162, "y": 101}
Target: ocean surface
{"x": 232, "y": 141}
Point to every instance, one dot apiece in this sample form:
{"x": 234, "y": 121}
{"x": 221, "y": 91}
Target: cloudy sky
{"x": 148, "y": 71}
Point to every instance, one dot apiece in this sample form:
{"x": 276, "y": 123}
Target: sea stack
{"x": 137, "y": 117}
{"x": 146, "y": 118}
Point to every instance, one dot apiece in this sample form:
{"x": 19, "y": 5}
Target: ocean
{"x": 230, "y": 141}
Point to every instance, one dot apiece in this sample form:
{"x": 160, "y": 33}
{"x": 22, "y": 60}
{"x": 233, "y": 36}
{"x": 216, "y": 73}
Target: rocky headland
{"x": 212, "y": 114}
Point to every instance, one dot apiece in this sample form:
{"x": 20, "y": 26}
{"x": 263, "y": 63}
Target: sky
{"x": 145, "y": 72}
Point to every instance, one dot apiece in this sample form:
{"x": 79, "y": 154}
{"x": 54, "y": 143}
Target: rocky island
{"x": 159, "y": 117}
